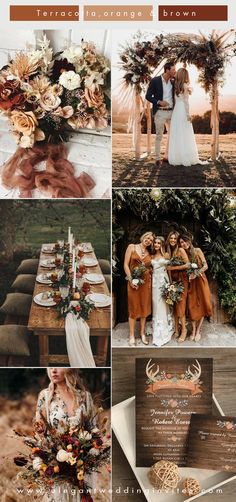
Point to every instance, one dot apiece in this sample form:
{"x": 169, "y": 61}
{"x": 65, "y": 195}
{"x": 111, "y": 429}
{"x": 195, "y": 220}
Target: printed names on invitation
{"x": 168, "y": 392}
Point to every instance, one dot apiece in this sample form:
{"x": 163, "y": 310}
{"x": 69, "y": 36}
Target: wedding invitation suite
{"x": 168, "y": 392}
{"x": 212, "y": 443}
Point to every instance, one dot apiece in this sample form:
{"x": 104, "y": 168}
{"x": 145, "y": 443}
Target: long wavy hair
{"x": 162, "y": 241}
{"x": 74, "y": 384}
{"x": 170, "y": 250}
{"x": 191, "y": 250}
{"x": 182, "y": 77}
{"x": 150, "y": 247}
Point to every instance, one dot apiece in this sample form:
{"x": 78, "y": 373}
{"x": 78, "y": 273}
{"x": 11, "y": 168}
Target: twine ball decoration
{"x": 191, "y": 487}
{"x": 164, "y": 475}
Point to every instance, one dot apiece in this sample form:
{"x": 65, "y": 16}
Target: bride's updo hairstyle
{"x": 182, "y": 77}
{"x": 162, "y": 241}
{"x": 172, "y": 251}
{"x": 73, "y": 382}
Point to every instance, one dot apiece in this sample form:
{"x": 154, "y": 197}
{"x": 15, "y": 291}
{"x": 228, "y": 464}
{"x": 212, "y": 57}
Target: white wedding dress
{"x": 182, "y": 144}
{"x": 162, "y": 319}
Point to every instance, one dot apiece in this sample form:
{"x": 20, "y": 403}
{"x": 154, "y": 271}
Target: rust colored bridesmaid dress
{"x": 140, "y": 300}
{"x": 199, "y": 295}
{"x": 180, "y": 275}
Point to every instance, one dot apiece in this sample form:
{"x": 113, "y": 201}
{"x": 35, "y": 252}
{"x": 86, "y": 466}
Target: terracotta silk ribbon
{"x": 57, "y": 180}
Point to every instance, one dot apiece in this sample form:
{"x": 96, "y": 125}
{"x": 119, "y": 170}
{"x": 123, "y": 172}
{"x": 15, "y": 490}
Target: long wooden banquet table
{"x": 45, "y": 321}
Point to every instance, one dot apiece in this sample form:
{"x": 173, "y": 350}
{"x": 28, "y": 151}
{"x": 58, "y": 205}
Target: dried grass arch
{"x": 140, "y": 57}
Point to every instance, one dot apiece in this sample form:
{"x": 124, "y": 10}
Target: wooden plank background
{"x": 162, "y": 435}
{"x": 125, "y": 485}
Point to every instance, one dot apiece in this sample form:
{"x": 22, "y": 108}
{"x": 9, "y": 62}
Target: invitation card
{"x": 212, "y": 443}
{"x": 168, "y": 392}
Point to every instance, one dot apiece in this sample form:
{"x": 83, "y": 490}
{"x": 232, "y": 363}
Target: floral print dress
{"x": 57, "y": 416}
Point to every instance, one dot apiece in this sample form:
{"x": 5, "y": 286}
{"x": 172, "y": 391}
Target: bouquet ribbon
{"x": 77, "y": 342}
{"x": 57, "y": 179}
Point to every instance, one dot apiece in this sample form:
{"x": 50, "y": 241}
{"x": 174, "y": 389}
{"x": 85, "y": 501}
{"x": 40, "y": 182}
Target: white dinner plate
{"x": 94, "y": 278}
{"x": 42, "y": 280}
{"x": 89, "y": 262}
{"x": 48, "y": 250}
{"x": 48, "y": 263}
{"x": 86, "y": 247}
{"x": 100, "y": 300}
{"x": 44, "y": 303}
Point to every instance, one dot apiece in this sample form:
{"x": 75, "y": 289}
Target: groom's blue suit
{"x": 155, "y": 92}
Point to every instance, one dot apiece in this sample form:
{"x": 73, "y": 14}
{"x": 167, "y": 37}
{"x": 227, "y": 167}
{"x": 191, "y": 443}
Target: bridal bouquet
{"x": 45, "y": 97}
{"x": 69, "y": 457}
{"x": 137, "y": 275}
{"x": 172, "y": 292}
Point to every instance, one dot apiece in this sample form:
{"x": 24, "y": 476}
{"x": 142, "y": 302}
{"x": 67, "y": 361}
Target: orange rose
{"x": 24, "y": 122}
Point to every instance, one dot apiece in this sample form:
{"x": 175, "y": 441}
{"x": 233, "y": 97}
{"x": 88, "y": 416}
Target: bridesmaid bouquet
{"x": 137, "y": 275}
{"x": 193, "y": 269}
{"x": 68, "y": 458}
{"x": 45, "y": 97}
{"x": 172, "y": 292}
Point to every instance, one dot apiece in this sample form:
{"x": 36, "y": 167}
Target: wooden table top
{"x": 47, "y": 319}
{"x": 125, "y": 485}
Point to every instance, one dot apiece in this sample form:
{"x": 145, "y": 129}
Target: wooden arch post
{"x": 137, "y": 124}
{"x": 215, "y": 122}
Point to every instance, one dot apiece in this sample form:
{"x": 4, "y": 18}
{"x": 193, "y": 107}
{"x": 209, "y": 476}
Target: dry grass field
{"x": 143, "y": 173}
{"x": 18, "y": 415}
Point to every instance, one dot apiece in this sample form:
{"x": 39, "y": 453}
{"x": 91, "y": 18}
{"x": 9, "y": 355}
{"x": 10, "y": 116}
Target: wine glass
{"x": 64, "y": 290}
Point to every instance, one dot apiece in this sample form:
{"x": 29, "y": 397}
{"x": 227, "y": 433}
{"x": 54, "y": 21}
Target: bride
{"x": 63, "y": 404}
{"x": 162, "y": 320}
{"x": 182, "y": 145}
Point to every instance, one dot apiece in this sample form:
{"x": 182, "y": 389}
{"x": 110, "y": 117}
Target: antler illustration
{"x": 150, "y": 372}
{"x": 196, "y": 375}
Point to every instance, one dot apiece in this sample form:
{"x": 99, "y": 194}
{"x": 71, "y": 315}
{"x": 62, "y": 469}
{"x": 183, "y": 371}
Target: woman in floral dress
{"x": 63, "y": 403}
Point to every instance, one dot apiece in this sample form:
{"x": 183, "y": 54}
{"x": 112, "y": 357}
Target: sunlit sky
{"x": 199, "y": 101}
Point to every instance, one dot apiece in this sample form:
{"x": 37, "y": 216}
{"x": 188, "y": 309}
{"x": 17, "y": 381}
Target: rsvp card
{"x": 212, "y": 443}
{"x": 168, "y": 392}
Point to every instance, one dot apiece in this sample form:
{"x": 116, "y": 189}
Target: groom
{"x": 161, "y": 94}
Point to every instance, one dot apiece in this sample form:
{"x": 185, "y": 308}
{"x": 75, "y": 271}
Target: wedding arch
{"x": 143, "y": 55}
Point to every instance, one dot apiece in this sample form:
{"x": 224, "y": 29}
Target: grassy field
{"x": 136, "y": 173}
{"x": 48, "y": 221}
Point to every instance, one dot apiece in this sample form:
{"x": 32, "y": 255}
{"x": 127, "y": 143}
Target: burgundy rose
{"x": 99, "y": 441}
{"x": 49, "y": 471}
{"x": 59, "y": 66}
{"x": 42, "y": 454}
{"x": 10, "y": 95}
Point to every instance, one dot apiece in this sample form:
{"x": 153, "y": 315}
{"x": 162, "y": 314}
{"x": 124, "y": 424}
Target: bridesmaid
{"x": 199, "y": 295}
{"x": 178, "y": 273}
{"x": 139, "y": 297}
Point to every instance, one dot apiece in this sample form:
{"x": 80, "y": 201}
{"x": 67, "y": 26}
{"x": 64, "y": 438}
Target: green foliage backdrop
{"x": 213, "y": 211}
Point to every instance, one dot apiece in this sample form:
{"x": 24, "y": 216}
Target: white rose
{"x": 37, "y": 463}
{"x": 27, "y": 141}
{"x": 70, "y": 80}
{"x": 63, "y": 456}
{"x": 135, "y": 282}
{"x": 85, "y": 435}
{"x": 194, "y": 265}
{"x": 95, "y": 430}
{"x": 73, "y": 53}
{"x": 94, "y": 452}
